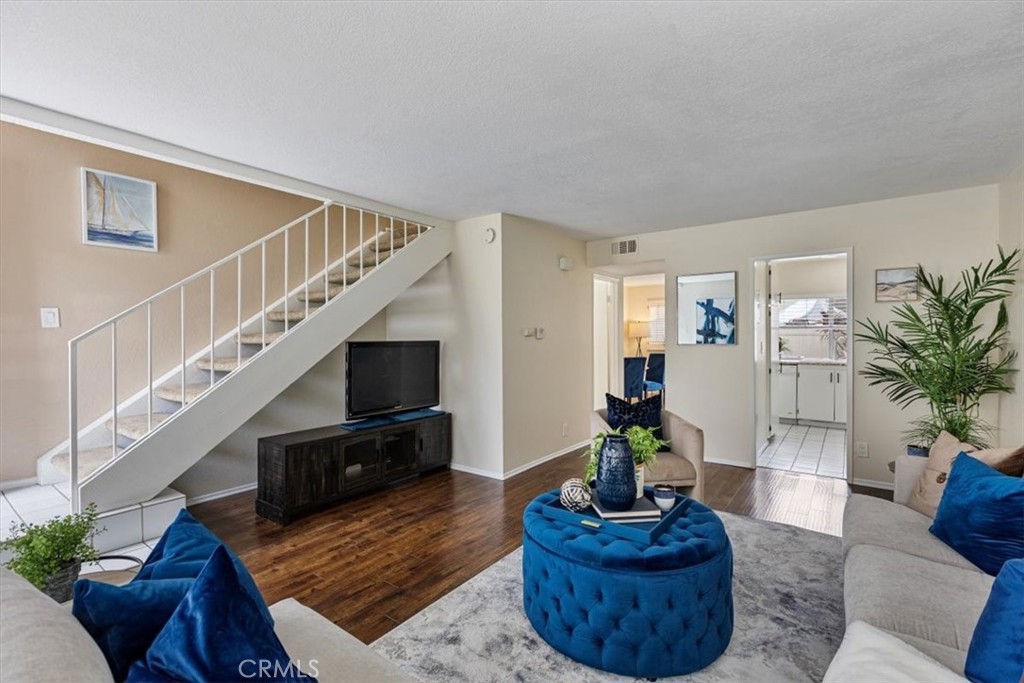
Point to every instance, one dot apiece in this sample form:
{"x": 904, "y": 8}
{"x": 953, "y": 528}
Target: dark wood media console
{"x": 302, "y": 472}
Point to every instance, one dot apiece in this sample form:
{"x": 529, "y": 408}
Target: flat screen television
{"x": 391, "y": 377}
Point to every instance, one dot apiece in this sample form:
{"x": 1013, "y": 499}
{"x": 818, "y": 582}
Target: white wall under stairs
{"x": 184, "y": 437}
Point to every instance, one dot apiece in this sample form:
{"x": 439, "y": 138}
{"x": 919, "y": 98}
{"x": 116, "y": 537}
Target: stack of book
{"x": 644, "y": 510}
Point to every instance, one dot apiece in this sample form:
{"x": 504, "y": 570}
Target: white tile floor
{"x": 810, "y": 450}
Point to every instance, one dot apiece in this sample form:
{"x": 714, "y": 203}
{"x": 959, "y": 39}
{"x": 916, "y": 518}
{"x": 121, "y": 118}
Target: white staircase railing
{"x": 379, "y": 236}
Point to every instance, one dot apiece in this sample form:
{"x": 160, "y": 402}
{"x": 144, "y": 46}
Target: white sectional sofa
{"x": 904, "y": 587}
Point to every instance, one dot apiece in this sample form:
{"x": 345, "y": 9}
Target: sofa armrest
{"x": 599, "y": 422}
{"x": 687, "y": 441}
{"x": 909, "y": 469}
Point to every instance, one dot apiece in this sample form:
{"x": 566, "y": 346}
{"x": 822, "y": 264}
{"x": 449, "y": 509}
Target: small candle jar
{"x": 664, "y": 496}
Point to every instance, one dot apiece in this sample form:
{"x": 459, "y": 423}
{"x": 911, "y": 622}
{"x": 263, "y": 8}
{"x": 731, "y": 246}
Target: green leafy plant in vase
{"x": 50, "y": 555}
{"x": 642, "y": 442}
{"x": 950, "y": 354}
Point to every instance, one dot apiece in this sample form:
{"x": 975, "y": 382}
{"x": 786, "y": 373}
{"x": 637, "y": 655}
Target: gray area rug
{"x": 787, "y": 596}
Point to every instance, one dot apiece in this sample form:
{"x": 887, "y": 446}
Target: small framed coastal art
{"x": 118, "y": 211}
{"x": 896, "y": 284}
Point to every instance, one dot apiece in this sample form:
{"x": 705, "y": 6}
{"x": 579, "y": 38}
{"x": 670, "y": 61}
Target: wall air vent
{"x": 624, "y": 247}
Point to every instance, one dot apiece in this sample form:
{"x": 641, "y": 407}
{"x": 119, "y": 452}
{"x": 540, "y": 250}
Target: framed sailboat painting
{"x": 118, "y": 211}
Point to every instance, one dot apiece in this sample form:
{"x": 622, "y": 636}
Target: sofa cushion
{"x": 337, "y": 656}
{"x": 217, "y": 633}
{"x": 868, "y": 655}
{"x": 997, "y": 648}
{"x": 124, "y": 620}
{"x": 930, "y": 487}
{"x": 183, "y": 551}
{"x": 41, "y": 641}
{"x": 911, "y": 596}
{"x": 671, "y": 468}
{"x": 982, "y": 514}
{"x": 873, "y": 521}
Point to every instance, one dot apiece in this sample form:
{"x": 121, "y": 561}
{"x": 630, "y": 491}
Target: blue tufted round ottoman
{"x": 626, "y": 607}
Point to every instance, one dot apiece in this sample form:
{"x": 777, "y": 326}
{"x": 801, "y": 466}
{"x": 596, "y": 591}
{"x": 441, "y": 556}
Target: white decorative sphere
{"x": 575, "y": 495}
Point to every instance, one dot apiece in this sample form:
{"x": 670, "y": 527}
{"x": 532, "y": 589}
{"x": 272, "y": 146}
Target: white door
{"x": 784, "y": 390}
{"x": 762, "y": 393}
{"x": 840, "y": 394}
{"x": 602, "y": 346}
{"x": 816, "y": 393}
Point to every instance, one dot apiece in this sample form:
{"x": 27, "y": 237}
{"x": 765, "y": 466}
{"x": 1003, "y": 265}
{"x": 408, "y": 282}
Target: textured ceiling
{"x": 606, "y": 118}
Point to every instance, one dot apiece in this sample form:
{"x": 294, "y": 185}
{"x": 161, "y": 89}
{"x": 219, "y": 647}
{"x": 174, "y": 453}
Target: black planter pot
{"x": 616, "y": 474}
{"x": 918, "y": 451}
{"x": 60, "y": 584}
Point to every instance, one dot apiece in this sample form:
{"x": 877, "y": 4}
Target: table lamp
{"x": 639, "y": 329}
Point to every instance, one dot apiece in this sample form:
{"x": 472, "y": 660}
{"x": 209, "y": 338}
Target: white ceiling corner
{"x": 605, "y": 118}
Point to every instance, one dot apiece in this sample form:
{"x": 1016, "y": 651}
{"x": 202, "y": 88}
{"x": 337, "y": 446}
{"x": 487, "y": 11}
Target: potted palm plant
{"x": 950, "y": 354}
{"x": 642, "y": 442}
{"x": 50, "y": 555}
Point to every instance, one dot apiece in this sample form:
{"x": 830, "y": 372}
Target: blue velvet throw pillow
{"x": 996, "y": 653}
{"x": 183, "y": 551}
{"x": 217, "y": 633}
{"x": 981, "y": 514}
{"x": 646, "y": 413}
{"x": 124, "y": 620}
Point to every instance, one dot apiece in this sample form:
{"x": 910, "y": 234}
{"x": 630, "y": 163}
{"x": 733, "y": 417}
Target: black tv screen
{"x": 391, "y": 377}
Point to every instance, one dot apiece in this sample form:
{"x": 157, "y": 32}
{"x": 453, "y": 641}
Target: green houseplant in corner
{"x": 950, "y": 354}
{"x": 642, "y": 442}
{"x": 50, "y": 555}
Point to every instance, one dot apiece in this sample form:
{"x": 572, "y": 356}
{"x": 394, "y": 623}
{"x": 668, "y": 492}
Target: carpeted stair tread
{"x": 220, "y": 364}
{"x": 316, "y": 296}
{"x": 295, "y": 314}
{"x": 136, "y": 426}
{"x": 342, "y": 278}
{"x": 256, "y": 338}
{"x": 89, "y": 460}
{"x": 370, "y": 258}
{"x": 172, "y": 391}
{"x": 384, "y": 243}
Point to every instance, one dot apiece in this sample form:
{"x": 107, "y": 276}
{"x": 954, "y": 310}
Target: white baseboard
{"x": 545, "y": 458}
{"x": 207, "y": 497}
{"x": 871, "y": 483}
{"x": 732, "y": 463}
{"x": 17, "y": 483}
{"x": 479, "y": 472}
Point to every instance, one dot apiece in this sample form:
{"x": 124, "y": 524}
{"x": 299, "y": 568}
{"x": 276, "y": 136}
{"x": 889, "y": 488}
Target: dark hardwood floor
{"x": 370, "y": 563}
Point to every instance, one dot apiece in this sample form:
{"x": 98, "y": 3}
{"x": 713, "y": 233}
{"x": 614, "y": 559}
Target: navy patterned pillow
{"x": 647, "y": 413}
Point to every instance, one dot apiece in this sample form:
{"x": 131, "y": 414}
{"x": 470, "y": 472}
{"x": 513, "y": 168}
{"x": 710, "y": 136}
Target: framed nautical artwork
{"x": 118, "y": 211}
{"x": 706, "y": 309}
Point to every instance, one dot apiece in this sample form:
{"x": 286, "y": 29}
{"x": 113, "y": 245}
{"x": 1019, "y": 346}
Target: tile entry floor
{"x": 809, "y": 450}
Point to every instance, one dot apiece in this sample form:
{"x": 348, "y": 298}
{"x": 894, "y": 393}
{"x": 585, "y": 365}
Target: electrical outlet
{"x": 860, "y": 449}
{"x": 539, "y": 333}
{"x": 49, "y": 317}
{"x": 565, "y": 429}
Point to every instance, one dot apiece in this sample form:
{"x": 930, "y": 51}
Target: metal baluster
{"x": 361, "y": 249}
{"x": 76, "y": 502}
{"x": 306, "y": 280}
{"x": 327, "y": 249}
{"x": 212, "y": 314}
{"x": 238, "y": 317}
{"x": 344, "y": 248}
{"x": 183, "y": 397}
{"x": 285, "y": 282}
{"x": 392, "y": 231}
{"x": 113, "y": 385}
{"x": 149, "y": 368}
{"x": 263, "y": 294}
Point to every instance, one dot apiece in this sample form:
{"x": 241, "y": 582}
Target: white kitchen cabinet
{"x": 784, "y": 390}
{"x": 840, "y": 394}
{"x": 816, "y": 393}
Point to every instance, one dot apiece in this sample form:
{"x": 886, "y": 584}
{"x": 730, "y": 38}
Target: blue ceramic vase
{"x": 616, "y": 474}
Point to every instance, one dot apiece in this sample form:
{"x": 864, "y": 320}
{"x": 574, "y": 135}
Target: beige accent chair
{"x": 683, "y": 465}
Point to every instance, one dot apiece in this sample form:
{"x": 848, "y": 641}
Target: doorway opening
{"x": 802, "y": 360}
{"x": 643, "y": 327}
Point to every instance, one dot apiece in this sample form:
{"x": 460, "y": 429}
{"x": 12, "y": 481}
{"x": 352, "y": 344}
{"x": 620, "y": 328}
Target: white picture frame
{"x": 118, "y": 211}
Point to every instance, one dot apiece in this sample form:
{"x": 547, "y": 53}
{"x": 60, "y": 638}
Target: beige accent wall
{"x": 636, "y": 300}
{"x": 1011, "y": 236}
{"x": 809, "y": 277}
{"x": 945, "y": 231}
{"x": 547, "y": 382}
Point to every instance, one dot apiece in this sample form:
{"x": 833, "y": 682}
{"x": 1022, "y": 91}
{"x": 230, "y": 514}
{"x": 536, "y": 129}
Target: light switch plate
{"x": 49, "y": 317}
{"x": 860, "y": 449}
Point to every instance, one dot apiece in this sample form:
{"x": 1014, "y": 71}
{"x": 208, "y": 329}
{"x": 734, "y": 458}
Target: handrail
{"x": 180, "y": 372}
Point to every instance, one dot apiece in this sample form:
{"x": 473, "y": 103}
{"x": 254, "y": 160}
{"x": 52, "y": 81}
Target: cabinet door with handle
{"x": 783, "y": 386}
{"x": 435, "y": 440}
{"x": 816, "y": 393}
{"x": 840, "y": 394}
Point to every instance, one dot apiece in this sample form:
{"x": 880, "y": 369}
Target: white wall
{"x": 945, "y": 231}
{"x": 317, "y": 399}
{"x": 459, "y": 302}
{"x": 1011, "y": 235}
{"x": 547, "y": 382}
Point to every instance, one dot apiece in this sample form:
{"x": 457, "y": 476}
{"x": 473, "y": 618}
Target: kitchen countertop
{"x": 808, "y": 361}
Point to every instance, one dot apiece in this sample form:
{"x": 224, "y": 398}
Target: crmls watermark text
{"x": 255, "y": 669}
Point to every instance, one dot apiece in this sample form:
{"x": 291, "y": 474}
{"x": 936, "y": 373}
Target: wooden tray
{"x": 641, "y": 532}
